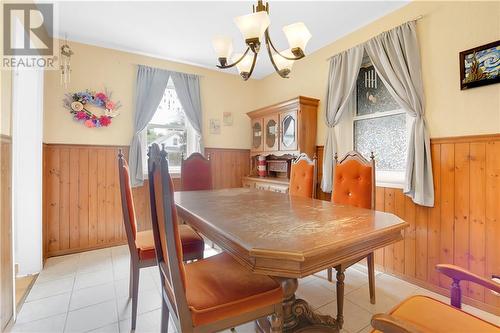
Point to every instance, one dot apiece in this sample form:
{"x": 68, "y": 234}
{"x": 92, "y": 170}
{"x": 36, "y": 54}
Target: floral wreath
{"x": 76, "y": 102}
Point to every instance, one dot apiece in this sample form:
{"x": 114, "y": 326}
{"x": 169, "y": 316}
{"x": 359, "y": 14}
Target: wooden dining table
{"x": 289, "y": 238}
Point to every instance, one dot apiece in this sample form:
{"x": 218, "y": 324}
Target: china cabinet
{"x": 281, "y": 132}
{"x": 285, "y": 128}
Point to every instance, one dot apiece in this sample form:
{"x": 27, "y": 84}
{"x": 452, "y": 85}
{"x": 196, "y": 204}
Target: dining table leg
{"x": 298, "y": 315}
{"x": 340, "y": 295}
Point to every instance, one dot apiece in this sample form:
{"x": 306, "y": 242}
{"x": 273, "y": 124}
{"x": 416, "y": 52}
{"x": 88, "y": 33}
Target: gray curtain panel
{"x": 395, "y": 55}
{"x": 151, "y": 84}
{"x": 344, "y": 68}
{"x": 187, "y": 87}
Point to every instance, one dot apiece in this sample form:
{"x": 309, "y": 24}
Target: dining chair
{"x": 141, "y": 243}
{"x": 211, "y": 294}
{"x": 354, "y": 185}
{"x": 303, "y": 175}
{"x": 419, "y": 313}
{"x": 196, "y": 173}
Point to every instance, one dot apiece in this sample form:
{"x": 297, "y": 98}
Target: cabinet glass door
{"x": 288, "y": 131}
{"x": 257, "y": 135}
{"x": 271, "y": 135}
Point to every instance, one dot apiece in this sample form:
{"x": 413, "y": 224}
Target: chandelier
{"x": 253, "y": 27}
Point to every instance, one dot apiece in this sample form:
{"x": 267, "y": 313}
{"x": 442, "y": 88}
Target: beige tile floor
{"x": 88, "y": 292}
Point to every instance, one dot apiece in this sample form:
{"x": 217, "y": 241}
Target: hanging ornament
{"x": 65, "y": 65}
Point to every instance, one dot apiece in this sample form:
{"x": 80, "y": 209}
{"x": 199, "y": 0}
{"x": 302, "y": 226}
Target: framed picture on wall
{"x": 480, "y": 66}
{"x": 214, "y": 126}
{"x": 227, "y": 118}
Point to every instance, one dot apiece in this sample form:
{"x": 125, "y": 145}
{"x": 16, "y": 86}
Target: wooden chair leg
{"x": 340, "y": 295}
{"x": 131, "y": 279}
{"x": 330, "y": 274}
{"x": 371, "y": 276}
{"x": 164, "y": 317}
{"x": 134, "y": 283}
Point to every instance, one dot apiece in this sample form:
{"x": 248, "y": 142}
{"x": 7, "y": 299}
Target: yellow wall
{"x": 98, "y": 68}
{"x": 5, "y": 102}
{"x": 446, "y": 29}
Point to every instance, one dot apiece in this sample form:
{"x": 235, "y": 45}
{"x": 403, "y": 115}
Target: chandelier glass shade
{"x": 255, "y": 29}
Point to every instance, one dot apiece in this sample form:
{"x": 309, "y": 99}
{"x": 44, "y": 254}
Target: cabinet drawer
{"x": 262, "y": 186}
{"x": 278, "y": 188}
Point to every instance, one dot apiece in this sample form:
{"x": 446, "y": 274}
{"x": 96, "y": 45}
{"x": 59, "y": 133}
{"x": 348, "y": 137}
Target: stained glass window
{"x": 379, "y": 122}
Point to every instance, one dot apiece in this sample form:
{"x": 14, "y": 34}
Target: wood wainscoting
{"x": 6, "y": 258}
{"x": 463, "y": 228}
{"x": 82, "y": 206}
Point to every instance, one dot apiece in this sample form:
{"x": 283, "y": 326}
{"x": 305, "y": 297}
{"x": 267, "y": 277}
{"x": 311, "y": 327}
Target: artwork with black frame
{"x": 480, "y": 66}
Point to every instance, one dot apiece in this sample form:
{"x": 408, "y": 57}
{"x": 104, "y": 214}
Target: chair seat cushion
{"x": 192, "y": 243}
{"x": 219, "y": 287}
{"x": 431, "y": 315}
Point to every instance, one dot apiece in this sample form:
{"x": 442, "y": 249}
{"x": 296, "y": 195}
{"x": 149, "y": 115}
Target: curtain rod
{"x": 415, "y": 19}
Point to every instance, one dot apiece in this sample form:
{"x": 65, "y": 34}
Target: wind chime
{"x": 65, "y": 63}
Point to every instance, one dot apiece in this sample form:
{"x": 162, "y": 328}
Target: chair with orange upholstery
{"x": 141, "y": 243}
{"x": 303, "y": 176}
{"x": 211, "y": 294}
{"x": 418, "y": 314}
{"x": 196, "y": 173}
{"x": 354, "y": 185}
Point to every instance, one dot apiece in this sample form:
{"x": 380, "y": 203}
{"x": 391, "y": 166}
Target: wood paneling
{"x": 228, "y": 166}
{"x": 82, "y": 207}
{"x": 6, "y": 270}
{"x": 463, "y": 227}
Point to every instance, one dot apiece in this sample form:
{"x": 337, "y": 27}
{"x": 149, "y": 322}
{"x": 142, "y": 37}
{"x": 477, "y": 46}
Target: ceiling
{"x": 182, "y": 30}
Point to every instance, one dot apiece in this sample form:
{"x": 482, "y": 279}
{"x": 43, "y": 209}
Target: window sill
{"x": 389, "y": 184}
{"x": 390, "y": 179}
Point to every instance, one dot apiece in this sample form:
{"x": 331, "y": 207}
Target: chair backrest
{"x": 167, "y": 239}
{"x": 354, "y": 180}
{"x": 303, "y": 176}
{"x": 196, "y": 173}
{"x": 127, "y": 199}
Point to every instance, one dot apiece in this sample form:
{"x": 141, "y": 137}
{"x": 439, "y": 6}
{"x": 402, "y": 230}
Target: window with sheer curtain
{"x": 379, "y": 126}
{"x": 170, "y": 128}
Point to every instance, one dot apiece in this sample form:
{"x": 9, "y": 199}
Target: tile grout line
{"x": 71, "y": 295}
{"x": 114, "y": 291}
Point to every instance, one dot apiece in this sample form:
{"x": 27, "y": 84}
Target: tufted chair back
{"x": 354, "y": 181}
{"x": 196, "y": 173}
{"x": 303, "y": 177}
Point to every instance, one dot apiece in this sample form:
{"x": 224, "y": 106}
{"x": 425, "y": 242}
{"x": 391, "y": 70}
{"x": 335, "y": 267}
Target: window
{"x": 170, "y": 128}
{"x": 379, "y": 126}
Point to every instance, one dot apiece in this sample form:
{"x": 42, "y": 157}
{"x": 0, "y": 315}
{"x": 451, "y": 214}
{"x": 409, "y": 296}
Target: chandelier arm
{"x": 236, "y": 62}
{"x": 280, "y": 73}
{"x": 253, "y": 66}
{"x": 269, "y": 40}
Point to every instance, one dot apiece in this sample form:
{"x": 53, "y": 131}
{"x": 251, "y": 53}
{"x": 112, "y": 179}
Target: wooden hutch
{"x": 281, "y": 132}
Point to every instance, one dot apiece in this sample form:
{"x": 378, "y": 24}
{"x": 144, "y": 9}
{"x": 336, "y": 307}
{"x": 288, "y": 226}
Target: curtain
{"x": 395, "y": 55}
{"x": 187, "y": 87}
{"x": 344, "y": 68}
{"x": 151, "y": 84}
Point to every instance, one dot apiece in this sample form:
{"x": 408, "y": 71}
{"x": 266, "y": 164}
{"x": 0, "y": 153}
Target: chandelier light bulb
{"x": 253, "y": 25}
{"x": 283, "y": 63}
{"x": 223, "y": 46}
{"x": 245, "y": 64}
{"x": 297, "y": 35}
